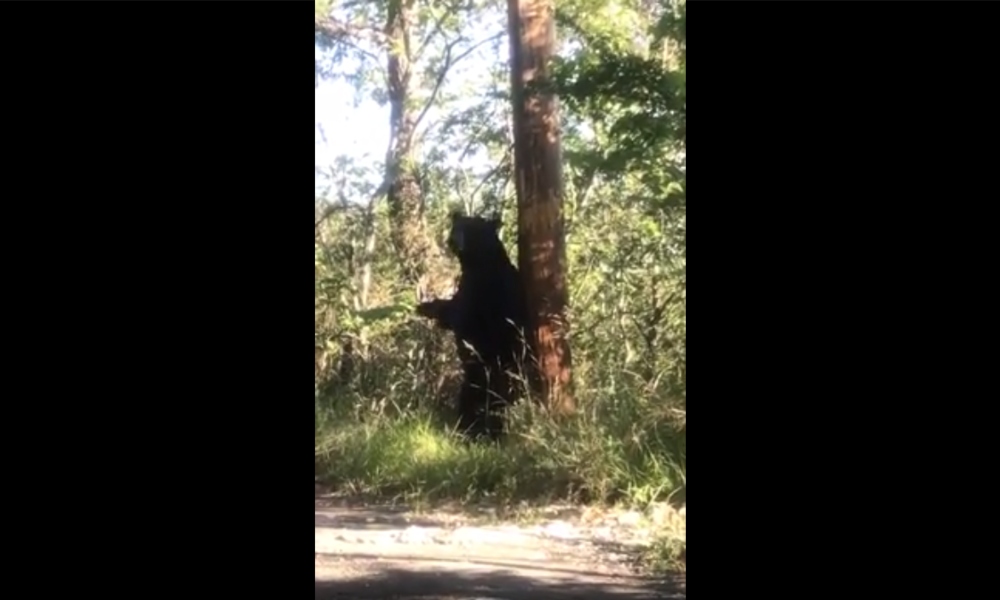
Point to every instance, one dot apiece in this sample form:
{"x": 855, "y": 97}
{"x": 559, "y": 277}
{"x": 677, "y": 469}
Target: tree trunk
{"x": 404, "y": 196}
{"x": 538, "y": 179}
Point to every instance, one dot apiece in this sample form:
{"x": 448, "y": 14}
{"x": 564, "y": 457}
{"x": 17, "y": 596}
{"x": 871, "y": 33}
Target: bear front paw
{"x": 428, "y": 309}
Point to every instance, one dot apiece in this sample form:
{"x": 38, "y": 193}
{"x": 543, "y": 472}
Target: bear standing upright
{"x": 488, "y": 316}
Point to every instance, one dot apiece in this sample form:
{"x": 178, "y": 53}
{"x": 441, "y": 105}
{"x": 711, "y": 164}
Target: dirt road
{"x": 382, "y": 552}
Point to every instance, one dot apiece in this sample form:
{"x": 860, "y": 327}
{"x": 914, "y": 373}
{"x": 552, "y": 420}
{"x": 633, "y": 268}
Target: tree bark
{"x": 538, "y": 180}
{"x": 409, "y": 236}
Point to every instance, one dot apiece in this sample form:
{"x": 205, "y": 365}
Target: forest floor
{"x": 371, "y": 550}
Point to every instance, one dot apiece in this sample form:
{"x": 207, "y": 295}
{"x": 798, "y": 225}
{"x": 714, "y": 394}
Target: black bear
{"x": 487, "y": 316}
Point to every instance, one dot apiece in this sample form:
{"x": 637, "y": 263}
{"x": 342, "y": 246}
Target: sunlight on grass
{"x": 601, "y": 457}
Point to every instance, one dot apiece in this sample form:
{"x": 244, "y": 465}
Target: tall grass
{"x": 626, "y": 443}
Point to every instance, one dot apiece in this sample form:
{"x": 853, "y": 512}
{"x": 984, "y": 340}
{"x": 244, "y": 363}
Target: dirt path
{"x": 383, "y": 552}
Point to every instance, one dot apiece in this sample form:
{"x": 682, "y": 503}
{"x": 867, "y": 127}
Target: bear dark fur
{"x": 487, "y": 316}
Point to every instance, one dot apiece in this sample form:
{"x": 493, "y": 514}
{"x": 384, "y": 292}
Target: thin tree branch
{"x": 345, "y": 205}
{"x": 343, "y": 33}
{"x": 448, "y": 11}
{"x": 449, "y": 63}
{"x": 337, "y": 30}
{"x": 504, "y": 162}
{"x": 440, "y": 79}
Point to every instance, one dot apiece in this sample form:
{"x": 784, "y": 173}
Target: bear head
{"x": 474, "y": 237}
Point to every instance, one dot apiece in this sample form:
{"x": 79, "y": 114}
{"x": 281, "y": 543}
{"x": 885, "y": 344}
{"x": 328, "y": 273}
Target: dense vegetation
{"x": 384, "y": 377}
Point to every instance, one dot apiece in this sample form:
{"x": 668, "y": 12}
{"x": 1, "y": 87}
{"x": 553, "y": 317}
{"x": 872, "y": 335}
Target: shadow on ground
{"x": 480, "y": 510}
{"x": 488, "y": 581}
{"x": 493, "y": 584}
{"x": 374, "y": 519}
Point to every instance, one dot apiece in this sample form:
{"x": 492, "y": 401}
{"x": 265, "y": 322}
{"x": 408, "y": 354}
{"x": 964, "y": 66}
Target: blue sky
{"x": 362, "y": 131}
{"x": 353, "y": 130}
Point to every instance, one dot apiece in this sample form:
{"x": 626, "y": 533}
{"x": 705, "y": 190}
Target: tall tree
{"x": 404, "y": 195}
{"x": 539, "y": 185}
{"x": 400, "y": 53}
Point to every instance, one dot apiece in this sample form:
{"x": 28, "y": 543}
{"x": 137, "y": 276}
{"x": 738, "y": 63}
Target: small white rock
{"x": 413, "y": 535}
{"x": 630, "y": 518}
{"x": 560, "y": 530}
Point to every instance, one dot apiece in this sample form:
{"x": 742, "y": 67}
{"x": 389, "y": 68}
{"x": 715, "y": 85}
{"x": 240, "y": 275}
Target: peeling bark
{"x": 538, "y": 180}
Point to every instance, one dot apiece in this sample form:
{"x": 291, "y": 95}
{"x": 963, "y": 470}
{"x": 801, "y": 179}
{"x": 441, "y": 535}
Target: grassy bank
{"x": 621, "y": 453}
{"x": 623, "y": 448}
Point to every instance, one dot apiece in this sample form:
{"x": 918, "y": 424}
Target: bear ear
{"x": 495, "y": 222}
{"x": 456, "y": 214}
